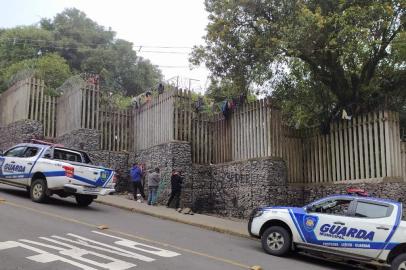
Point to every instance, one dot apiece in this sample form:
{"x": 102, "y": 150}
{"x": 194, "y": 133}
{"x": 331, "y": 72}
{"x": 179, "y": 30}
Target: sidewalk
{"x": 238, "y": 228}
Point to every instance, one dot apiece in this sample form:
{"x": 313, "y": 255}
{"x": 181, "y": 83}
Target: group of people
{"x": 153, "y": 179}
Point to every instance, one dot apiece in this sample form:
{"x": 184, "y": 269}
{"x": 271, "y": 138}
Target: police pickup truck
{"x": 365, "y": 230}
{"x": 46, "y": 169}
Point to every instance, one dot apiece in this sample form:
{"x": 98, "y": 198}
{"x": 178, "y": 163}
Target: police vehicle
{"x": 45, "y": 169}
{"x": 359, "y": 229}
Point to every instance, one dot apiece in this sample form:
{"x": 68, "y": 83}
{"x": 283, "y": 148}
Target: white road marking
{"x": 78, "y": 253}
{"x": 138, "y": 246}
{"x": 72, "y": 251}
{"x": 44, "y": 256}
{"x": 109, "y": 248}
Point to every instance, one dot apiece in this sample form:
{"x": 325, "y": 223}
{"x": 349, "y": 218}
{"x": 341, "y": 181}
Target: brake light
{"x": 69, "y": 171}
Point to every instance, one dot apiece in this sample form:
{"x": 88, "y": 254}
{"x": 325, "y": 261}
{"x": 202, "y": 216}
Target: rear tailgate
{"x": 92, "y": 176}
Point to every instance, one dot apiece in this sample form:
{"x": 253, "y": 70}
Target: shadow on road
{"x": 67, "y": 203}
{"x": 300, "y": 258}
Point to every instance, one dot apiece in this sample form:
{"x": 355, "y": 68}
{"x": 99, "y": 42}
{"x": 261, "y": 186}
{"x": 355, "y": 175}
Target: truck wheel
{"x": 38, "y": 190}
{"x": 276, "y": 241}
{"x": 84, "y": 200}
{"x": 399, "y": 263}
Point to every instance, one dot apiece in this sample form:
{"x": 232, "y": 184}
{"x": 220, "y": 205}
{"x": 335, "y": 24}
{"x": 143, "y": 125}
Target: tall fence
{"x": 366, "y": 147}
{"x": 116, "y": 128}
{"x": 27, "y": 99}
{"x": 90, "y": 108}
{"x": 42, "y": 107}
{"x": 154, "y": 121}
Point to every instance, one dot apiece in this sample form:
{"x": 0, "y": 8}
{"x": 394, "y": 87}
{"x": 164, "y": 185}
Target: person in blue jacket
{"x": 136, "y": 178}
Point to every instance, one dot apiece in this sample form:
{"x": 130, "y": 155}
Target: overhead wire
{"x": 62, "y": 45}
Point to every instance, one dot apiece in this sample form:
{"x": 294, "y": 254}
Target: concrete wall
{"x": 19, "y": 132}
{"x": 14, "y": 103}
{"x": 69, "y": 111}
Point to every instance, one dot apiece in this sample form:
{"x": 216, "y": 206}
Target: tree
{"x": 86, "y": 46}
{"x": 52, "y": 68}
{"x": 349, "y": 48}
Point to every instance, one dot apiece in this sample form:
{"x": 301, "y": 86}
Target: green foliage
{"x": 342, "y": 54}
{"x": 52, "y": 68}
{"x": 86, "y": 46}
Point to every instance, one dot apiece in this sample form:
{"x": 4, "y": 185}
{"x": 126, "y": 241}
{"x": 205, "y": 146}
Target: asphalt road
{"x": 59, "y": 235}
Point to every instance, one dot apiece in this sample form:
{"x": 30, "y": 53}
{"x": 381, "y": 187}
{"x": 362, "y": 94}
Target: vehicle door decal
{"x": 398, "y": 219}
{"x": 109, "y": 177}
{"x": 301, "y": 221}
{"x": 33, "y": 165}
{"x": 296, "y": 225}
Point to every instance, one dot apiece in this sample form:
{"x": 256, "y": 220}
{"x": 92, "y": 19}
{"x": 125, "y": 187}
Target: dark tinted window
{"x": 15, "y": 152}
{"x": 67, "y": 155}
{"x": 31, "y": 152}
{"x": 370, "y": 210}
{"x": 86, "y": 158}
{"x": 333, "y": 207}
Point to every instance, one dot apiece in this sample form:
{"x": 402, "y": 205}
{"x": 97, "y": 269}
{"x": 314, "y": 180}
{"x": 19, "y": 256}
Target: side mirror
{"x": 309, "y": 208}
{"x": 47, "y": 156}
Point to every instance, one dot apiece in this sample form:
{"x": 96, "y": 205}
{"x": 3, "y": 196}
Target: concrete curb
{"x": 207, "y": 227}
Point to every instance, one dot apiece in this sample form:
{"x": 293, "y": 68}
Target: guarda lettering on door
{"x": 340, "y": 232}
{"x": 14, "y": 168}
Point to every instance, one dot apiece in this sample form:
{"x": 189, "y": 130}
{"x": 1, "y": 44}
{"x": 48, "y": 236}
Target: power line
{"x": 54, "y": 45}
{"x": 16, "y": 39}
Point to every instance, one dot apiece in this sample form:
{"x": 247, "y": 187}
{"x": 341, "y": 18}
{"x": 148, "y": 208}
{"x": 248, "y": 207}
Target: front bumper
{"x": 97, "y": 191}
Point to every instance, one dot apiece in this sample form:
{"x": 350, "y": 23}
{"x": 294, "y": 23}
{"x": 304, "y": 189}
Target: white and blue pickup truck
{"x": 362, "y": 230}
{"x": 46, "y": 169}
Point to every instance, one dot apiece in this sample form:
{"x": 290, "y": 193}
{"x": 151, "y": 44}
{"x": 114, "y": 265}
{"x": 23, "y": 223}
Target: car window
{"x": 15, "y": 152}
{"x": 31, "y": 152}
{"x": 371, "y": 210}
{"x": 67, "y": 155}
{"x": 334, "y": 207}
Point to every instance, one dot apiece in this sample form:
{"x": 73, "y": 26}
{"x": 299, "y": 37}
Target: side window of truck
{"x": 339, "y": 207}
{"x": 31, "y": 152}
{"x": 15, "y": 152}
{"x": 67, "y": 155}
{"x": 372, "y": 210}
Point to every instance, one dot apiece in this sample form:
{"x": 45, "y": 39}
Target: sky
{"x": 151, "y": 25}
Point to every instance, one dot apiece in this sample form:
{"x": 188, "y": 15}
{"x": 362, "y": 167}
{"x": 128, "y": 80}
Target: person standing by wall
{"x": 176, "y": 189}
{"x": 153, "y": 183}
{"x": 136, "y": 175}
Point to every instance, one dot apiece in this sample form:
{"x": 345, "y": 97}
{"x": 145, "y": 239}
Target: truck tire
{"x": 38, "y": 190}
{"x": 84, "y": 200}
{"x": 276, "y": 241}
{"x": 399, "y": 263}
